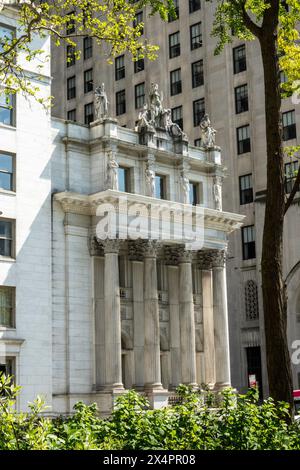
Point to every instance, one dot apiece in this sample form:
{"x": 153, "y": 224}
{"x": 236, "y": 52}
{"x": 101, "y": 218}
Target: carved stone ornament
{"x": 110, "y": 245}
{"x": 150, "y": 248}
{"x": 155, "y": 116}
{"x": 135, "y": 250}
{"x": 208, "y": 133}
{"x": 217, "y": 192}
{"x": 112, "y": 172}
{"x": 219, "y": 258}
{"x": 95, "y": 249}
{"x": 150, "y": 181}
{"x": 101, "y": 102}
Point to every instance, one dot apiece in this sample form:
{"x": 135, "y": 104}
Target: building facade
{"x": 112, "y": 254}
{"x": 230, "y": 88}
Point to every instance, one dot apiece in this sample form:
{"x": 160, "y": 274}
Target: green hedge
{"x": 239, "y": 422}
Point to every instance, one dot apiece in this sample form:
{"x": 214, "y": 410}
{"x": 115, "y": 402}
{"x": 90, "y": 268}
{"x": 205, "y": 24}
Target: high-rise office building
{"x": 230, "y": 88}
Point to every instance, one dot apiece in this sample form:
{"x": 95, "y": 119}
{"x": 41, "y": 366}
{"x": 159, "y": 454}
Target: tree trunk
{"x": 273, "y": 287}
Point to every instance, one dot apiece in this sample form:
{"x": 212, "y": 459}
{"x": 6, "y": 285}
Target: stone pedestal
{"x": 113, "y": 351}
{"x": 221, "y": 336}
{"x": 187, "y": 320}
{"x": 152, "y": 373}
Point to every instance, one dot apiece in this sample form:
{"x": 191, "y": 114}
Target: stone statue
{"x": 150, "y": 182}
{"x": 101, "y": 104}
{"x": 217, "y": 191}
{"x": 185, "y": 186}
{"x": 155, "y": 104}
{"x": 112, "y": 173}
{"x": 208, "y": 133}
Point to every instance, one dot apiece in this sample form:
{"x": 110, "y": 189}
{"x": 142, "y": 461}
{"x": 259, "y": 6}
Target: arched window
{"x": 251, "y": 301}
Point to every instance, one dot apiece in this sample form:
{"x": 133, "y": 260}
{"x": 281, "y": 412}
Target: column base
{"x": 113, "y": 388}
{"x": 157, "y": 398}
{"x": 219, "y": 386}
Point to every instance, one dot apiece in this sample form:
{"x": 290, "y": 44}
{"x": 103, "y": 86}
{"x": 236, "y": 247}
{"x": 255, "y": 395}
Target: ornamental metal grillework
{"x": 251, "y": 301}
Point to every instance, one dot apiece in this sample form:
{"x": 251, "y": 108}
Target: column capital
{"x": 95, "y": 247}
{"x": 184, "y": 256}
{"x": 219, "y": 258}
{"x": 150, "y": 248}
{"x": 171, "y": 255}
{"x": 110, "y": 245}
{"x": 135, "y": 250}
{"x": 211, "y": 259}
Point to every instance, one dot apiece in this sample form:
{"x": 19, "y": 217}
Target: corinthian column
{"x": 223, "y": 378}
{"x": 151, "y": 317}
{"x": 112, "y": 316}
{"x": 187, "y": 319}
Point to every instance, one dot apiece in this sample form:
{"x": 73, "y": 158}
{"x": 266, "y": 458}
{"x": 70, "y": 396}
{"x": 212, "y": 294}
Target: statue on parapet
{"x": 101, "y": 103}
{"x": 208, "y": 133}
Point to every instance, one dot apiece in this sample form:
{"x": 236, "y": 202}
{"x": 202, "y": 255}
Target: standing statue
{"x": 112, "y": 173}
{"x": 208, "y": 133}
{"x": 185, "y": 186}
{"x": 217, "y": 191}
{"x": 101, "y": 104}
{"x": 155, "y": 104}
{"x": 150, "y": 182}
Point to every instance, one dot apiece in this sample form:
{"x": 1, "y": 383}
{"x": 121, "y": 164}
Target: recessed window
{"x": 160, "y": 187}
{"x": 138, "y": 20}
{"x": 177, "y": 116}
{"x": 120, "y": 102}
{"x": 139, "y": 93}
{"x": 70, "y": 56}
{"x": 241, "y": 99}
{"x": 88, "y": 113}
{"x": 248, "y": 240}
{"x": 139, "y": 65}
{"x": 71, "y": 88}
{"x": 289, "y": 125}
{"x": 243, "y": 139}
{"x": 7, "y": 366}
{"x": 195, "y": 193}
{"x": 197, "y": 142}
{"x": 246, "y": 189}
{"x": 176, "y": 84}
{"x": 6, "y": 171}
{"x": 198, "y": 110}
{"x": 239, "y": 59}
{"x": 7, "y": 105}
{"x": 174, "y": 45}
{"x": 87, "y": 47}
{"x": 194, "y": 5}
{"x": 70, "y": 25}
{"x": 196, "y": 36}
{"x": 120, "y": 67}
{"x": 175, "y": 16}
{"x": 6, "y": 238}
{"x": 291, "y": 171}
{"x": 197, "y": 74}
{"x": 88, "y": 81}
{"x": 71, "y": 116}
{"x": 124, "y": 179}
{"x": 6, "y": 35}
{"x": 7, "y": 306}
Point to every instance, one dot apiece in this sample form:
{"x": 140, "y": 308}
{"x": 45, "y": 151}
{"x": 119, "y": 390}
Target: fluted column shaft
{"x": 221, "y": 333}
{"x": 151, "y": 318}
{"x": 113, "y": 352}
{"x": 187, "y": 319}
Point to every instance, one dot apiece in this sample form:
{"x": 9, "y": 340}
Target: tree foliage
{"x": 238, "y": 423}
{"x": 111, "y": 24}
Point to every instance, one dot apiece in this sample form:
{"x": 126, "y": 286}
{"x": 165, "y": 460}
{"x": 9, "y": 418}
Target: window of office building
{"x": 241, "y": 99}
{"x": 70, "y": 25}
{"x": 197, "y": 74}
{"x": 120, "y": 67}
{"x": 246, "y": 189}
{"x": 175, "y": 15}
{"x": 248, "y": 240}
{"x": 177, "y": 116}
{"x": 7, "y": 105}
{"x": 124, "y": 179}
{"x": 160, "y": 187}
{"x": 6, "y": 238}
{"x": 87, "y": 47}
{"x": 251, "y": 301}
{"x": 175, "y": 80}
{"x": 71, "y": 115}
{"x": 291, "y": 170}
{"x": 88, "y": 81}
{"x": 71, "y": 88}
{"x": 6, "y": 35}
{"x": 239, "y": 59}
{"x": 7, "y": 306}
{"x": 7, "y": 366}
{"x": 194, "y": 5}
{"x": 139, "y": 18}
{"x": 70, "y": 56}
{"x": 198, "y": 110}
{"x": 289, "y": 125}
{"x": 120, "y": 102}
{"x": 243, "y": 139}
{"x": 139, "y": 65}
{"x": 88, "y": 113}
{"x": 6, "y": 171}
{"x": 139, "y": 94}
{"x": 194, "y": 193}
{"x": 196, "y": 36}
{"x": 174, "y": 45}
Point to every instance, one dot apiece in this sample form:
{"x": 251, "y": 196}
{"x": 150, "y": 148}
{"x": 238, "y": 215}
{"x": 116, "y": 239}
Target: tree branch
{"x": 292, "y": 195}
{"x": 256, "y": 30}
